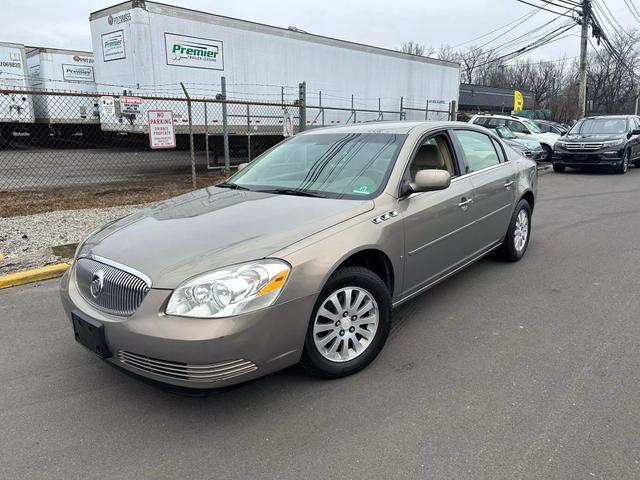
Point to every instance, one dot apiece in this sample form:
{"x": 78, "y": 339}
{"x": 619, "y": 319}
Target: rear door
{"x": 437, "y": 233}
{"x": 493, "y": 178}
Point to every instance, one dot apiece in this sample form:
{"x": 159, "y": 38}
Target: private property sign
{"x": 161, "y": 131}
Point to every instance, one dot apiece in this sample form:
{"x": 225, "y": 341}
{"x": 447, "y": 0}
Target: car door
{"x": 493, "y": 178}
{"x": 635, "y": 139}
{"x": 436, "y": 224}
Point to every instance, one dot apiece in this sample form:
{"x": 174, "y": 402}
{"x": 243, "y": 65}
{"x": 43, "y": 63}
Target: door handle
{"x": 508, "y": 185}
{"x": 465, "y": 203}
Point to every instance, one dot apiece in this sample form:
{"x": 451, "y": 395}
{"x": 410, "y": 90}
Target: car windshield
{"x": 332, "y": 165}
{"x": 533, "y": 128}
{"x": 504, "y": 132}
{"x": 600, "y": 126}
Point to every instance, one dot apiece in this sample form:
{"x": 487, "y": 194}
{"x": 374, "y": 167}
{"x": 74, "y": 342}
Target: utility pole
{"x": 582, "y": 76}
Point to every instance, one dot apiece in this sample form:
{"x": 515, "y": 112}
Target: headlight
{"x": 230, "y": 291}
{"x": 613, "y": 143}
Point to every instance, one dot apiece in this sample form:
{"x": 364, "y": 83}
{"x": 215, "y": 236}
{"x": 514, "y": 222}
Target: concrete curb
{"x": 35, "y": 275}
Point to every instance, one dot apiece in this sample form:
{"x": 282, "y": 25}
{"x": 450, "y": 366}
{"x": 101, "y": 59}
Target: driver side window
{"x": 433, "y": 153}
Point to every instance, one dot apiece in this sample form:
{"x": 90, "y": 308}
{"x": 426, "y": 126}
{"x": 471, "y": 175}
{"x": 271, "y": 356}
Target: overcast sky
{"x": 65, "y": 23}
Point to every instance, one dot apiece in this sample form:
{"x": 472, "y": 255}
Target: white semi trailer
{"x": 16, "y": 106}
{"x": 54, "y": 69}
{"x": 148, "y": 48}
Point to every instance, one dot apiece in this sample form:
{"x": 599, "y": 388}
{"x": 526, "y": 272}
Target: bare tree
{"x": 415, "y": 48}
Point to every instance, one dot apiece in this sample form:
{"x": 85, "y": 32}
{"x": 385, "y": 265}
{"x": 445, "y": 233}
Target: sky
{"x": 65, "y": 23}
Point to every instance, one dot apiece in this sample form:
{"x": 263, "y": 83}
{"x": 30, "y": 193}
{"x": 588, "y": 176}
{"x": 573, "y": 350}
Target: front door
{"x": 436, "y": 224}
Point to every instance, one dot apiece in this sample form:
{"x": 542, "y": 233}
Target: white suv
{"x": 522, "y": 128}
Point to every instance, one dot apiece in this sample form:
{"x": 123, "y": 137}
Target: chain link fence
{"x": 57, "y": 141}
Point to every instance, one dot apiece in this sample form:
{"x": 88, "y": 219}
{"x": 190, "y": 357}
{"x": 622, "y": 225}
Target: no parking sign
{"x": 162, "y": 134}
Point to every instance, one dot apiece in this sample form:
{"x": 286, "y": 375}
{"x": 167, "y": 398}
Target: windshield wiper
{"x": 232, "y": 186}
{"x": 292, "y": 191}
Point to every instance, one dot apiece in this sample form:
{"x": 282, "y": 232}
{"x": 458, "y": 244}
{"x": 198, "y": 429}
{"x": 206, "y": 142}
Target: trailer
{"x": 16, "y": 108}
{"x": 148, "y": 48}
{"x": 54, "y": 69}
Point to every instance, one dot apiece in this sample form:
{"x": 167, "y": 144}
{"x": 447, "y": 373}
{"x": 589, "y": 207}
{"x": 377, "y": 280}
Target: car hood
{"x": 212, "y": 228}
{"x": 547, "y": 137}
{"x": 594, "y": 137}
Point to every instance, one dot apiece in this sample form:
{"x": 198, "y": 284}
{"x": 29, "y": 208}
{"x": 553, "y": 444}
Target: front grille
{"x": 213, "y": 372}
{"x": 110, "y": 289}
{"x": 583, "y": 146}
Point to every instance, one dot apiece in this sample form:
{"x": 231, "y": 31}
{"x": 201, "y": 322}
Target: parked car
{"x": 611, "y": 142}
{"x": 301, "y": 255}
{"x": 524, "y": 146}
{"x": 522, "y": 128}
{"x": 547, "y": 126}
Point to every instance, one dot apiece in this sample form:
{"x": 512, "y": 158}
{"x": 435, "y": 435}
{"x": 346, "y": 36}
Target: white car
{"x": 522, "y": 128}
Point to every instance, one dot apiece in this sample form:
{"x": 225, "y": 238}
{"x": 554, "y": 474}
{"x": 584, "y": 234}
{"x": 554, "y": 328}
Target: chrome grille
{"x": 212, "y": 372}
{"x": 109, "y": 288}
{"x": 583, "y": 146}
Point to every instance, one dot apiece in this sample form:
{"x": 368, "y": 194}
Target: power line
{"x": 529, "y": 15}
{"x": 545, "y": 9}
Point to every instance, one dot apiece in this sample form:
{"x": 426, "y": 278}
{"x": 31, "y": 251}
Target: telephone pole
{"x": 582, "y": 76}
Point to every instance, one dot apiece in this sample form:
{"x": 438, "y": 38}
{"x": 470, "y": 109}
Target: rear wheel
{"x": 349, "y": 325}
{"x": 558, "y": 168}
{"x": 624, "y": 165}
{"x": 516, "y": 241}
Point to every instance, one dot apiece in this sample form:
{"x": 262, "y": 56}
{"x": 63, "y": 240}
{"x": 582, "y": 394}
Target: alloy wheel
{"x": 521, "y": 232}
{"x": 346, "y": 324}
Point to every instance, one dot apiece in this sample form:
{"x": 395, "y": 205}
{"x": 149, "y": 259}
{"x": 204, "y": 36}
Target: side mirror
{"x": 526, "y": 132}
{"x": 633, "y": 132}
{"x": 242, "y": 166}
{"x": 563, "y": 133}
{"x": 429, "y": 180}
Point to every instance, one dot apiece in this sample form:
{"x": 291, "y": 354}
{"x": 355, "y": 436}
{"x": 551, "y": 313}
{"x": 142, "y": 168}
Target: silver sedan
{"x": 301, "y": 256}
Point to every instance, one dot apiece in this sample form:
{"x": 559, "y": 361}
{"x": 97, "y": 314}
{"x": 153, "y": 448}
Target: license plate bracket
{"x": 90, "y": 334}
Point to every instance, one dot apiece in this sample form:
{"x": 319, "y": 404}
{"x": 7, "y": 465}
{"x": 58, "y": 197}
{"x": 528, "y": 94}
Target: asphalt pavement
{"x": 506, "y": 371}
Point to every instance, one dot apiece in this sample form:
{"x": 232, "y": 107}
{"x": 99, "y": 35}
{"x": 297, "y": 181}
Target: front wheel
{"x": 558, "y": 168}
{"x": 547, "y": 153}
{"x": 624, "y": 165}
{"x": 349, "y": 325}
{"x": 516, "y": 241}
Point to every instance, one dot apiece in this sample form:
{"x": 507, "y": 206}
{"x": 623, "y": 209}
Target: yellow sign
{"x": 518, "y": 101}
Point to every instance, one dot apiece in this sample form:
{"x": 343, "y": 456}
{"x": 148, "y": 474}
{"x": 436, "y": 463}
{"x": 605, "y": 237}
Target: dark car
{"x": 524, "y": 146}
{"x": 553, "y": 127}
{"x": 611, "y": 142}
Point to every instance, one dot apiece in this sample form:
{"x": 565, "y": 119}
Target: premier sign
{"x": 194, "y": 52}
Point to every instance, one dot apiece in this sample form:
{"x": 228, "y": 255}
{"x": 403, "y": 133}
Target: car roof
{"x": 402, "y": 127}
{"x": 593, "y": 117}
{"x": 505, "y": 117}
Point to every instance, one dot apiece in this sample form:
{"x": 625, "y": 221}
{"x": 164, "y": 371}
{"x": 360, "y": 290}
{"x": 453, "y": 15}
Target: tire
{"x": 320, "y": 361}
{"x": 548, "y": 153}
{"x": 512, "y": 249}
{"x": 624, "y": 165}
{"x": 558, "y": 168}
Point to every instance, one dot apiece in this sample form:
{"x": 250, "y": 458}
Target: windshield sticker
{"x": 362, "y": 189}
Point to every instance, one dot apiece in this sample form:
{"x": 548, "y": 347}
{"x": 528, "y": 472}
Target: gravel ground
{"x": 26, "y": 241}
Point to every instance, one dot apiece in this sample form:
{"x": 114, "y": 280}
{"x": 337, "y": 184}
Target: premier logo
{"x": 194, "y": 50}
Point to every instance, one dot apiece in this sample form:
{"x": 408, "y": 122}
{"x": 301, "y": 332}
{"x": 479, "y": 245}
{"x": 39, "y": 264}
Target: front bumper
{"x": 198, "y": 353}
{"x": 607, "y": 158}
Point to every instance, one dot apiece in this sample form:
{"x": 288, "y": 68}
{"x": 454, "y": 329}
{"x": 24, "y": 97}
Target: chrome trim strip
{"x": 444, "y": 237}
{"x": 119, "y": 266}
